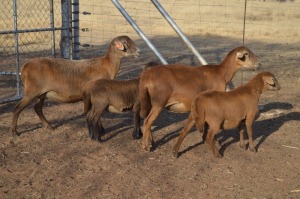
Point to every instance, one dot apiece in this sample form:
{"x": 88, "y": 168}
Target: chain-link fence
{"x": 30, "y": 29}
{"x": 271, "y": 28}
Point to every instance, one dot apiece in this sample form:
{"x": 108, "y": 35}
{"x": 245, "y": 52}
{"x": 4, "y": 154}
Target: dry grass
{"x": 269, "y": 20}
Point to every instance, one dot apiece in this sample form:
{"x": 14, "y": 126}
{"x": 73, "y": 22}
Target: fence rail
{"x": 29, "y": 36}
{"x": 42, "y": 28}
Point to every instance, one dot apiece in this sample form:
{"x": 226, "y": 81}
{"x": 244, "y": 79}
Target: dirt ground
{"x": 65, "y": 163}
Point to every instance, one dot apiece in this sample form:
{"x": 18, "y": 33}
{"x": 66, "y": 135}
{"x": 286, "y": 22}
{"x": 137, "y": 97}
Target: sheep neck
{"x": 227, "y": 69}
{"x": 113, "y": 59}
{"x": 255, "y": 86}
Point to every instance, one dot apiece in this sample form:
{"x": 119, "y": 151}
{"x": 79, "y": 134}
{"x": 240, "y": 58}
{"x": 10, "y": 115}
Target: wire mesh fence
{"x": 272, "y": 30}
{"x": 27, "y": 30}
{"x": 269, "y": 21}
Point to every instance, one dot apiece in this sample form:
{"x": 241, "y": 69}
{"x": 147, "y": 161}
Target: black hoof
{"x": 175, "y": 155}
{"x": 243, "y": 147}
{"x": 253, "y": 150}
{"x": 136, "y": 137}
{"x": 15, "y": 133}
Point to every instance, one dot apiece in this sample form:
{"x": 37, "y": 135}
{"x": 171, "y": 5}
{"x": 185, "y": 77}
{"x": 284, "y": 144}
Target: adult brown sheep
{"x": 175, "y": 86}
{"x": 62, "y": 80}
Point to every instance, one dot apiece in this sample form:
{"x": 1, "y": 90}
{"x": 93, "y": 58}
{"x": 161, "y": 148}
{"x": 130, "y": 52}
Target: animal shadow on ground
{"x": 261, "y": 129}
{"x": 55, "y": 124}
{"x": 165, "y": 119}
{"x": 125, "y": 122}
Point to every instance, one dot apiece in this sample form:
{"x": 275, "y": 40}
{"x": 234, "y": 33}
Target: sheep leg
{"x": 205, "y": 130}
{"x": 201, "y": 126}
{"x": 242, "y": 142}
{"x": 90, "y": 124}
{"x": 94, "y": 123}
{"x": 190, "y": 123}
{"x": 98, "y": 129}
{"x": 137, "y": 133}
{"x": 211, "y": 141}
{"x": 20, "y": 106}
{"x": 148, "y": 121}
{"x": 38, "y": 109}
{"x": 93, "y": 128}
{"x": 249, "y": 122}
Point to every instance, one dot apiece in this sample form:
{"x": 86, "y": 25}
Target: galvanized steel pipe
{"x": 139, "y": 31}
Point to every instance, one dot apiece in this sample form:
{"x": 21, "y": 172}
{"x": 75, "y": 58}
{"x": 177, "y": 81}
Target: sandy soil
{"x": 65, "y": 163}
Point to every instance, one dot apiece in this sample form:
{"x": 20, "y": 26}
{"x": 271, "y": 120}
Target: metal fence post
{"x": 65, "y": 45}
{"x": 178, "y": 31}
{"x": 17, "y": 46}
{"x": 75, "y": 26}
{"x": 139, "y": 31}
{"x": 52, "y": 28}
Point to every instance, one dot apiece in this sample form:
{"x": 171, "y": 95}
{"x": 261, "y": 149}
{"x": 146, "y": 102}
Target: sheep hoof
{"x": 137, "y": 136}
{"x": 243, "y": 147}
{"x": 96, "y": 139}
{"x": 102, "y": 131}
{"x": 15, "y": 133}
{"x": 218, "y": 155}
{"x": 140, "y": 134}
{"x": 253, "y": 150}
{"x": 175, "y": 155}
{"x": 147, "y": 148}
{"x": 50, "y": 127}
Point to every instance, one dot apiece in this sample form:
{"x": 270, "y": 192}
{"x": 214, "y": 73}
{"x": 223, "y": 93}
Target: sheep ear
{"x": 270, "y": 80}
{"x": 120, "y": 46}
{"x": 242, "y": 55}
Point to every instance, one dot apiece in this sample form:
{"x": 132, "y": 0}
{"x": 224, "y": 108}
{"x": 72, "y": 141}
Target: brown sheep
{"x": 113, "y": 96}
{"x": 175, "y": 86}
{"x": 62, "y": 80}
{"x": 228, "y": 110}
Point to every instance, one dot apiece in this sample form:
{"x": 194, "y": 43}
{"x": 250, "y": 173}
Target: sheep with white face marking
{"x": 113, "y": 96}
{"x": 227, "y": 110}
{"x": 62, "y": 80}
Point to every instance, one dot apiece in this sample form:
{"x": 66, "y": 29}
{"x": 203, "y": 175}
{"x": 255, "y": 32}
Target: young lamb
{"x": 113, "y": 96}
{"x": 175, "y": 86}
{"x": 228, "y": 110}
{"x": 62, "y": 80}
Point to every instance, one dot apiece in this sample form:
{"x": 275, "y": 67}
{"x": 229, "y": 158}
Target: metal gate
{"x": 33, "y": 28}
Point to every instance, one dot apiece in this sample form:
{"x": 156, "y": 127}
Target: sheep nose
{"x": 137, "y": 53}
{"x": 278, "y": 86}
{"x": 257, "y": 65}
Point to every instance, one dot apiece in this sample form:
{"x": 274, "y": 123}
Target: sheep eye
{"x": 243, "y": 58}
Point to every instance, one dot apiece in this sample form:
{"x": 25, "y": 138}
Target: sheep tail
{"x": 86, "y": 101}
{"x": 145, "y": 101}
{"x": 198, "y": 113}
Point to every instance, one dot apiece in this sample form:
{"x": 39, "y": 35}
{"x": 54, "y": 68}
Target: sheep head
{"x": 245, "y": 58}
{"x": 125, "y": 47}
{"x": 270, "y": 82}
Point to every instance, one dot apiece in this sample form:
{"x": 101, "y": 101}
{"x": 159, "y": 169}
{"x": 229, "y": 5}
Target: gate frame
{"x": 69, "y": 32}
